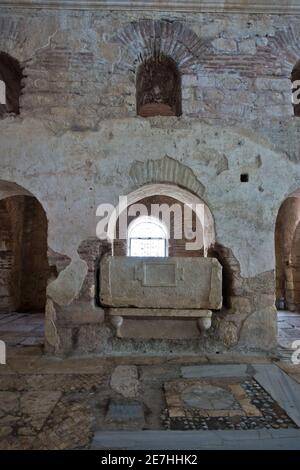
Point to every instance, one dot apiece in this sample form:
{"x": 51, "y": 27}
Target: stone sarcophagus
{"x": 158, "y": 288}
{"x": 173, "y": 283}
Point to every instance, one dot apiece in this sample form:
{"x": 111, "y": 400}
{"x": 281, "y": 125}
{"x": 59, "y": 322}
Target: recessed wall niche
{"x": 11, "y": 75}
{"x": 158, "y": 87}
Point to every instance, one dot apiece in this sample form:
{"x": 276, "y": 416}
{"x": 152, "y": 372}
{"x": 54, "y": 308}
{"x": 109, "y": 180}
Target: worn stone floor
{"x": 26, "y": 329}
{"x": 22, "y": 329}
{"x": 98, "y": 403}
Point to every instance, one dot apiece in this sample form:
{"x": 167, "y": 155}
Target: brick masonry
{"x": 232, "y": 72}
{"x": 78, "y": 142}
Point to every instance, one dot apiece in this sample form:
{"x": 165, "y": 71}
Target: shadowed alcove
{"x": 158, "y": 88}
{"x": 24, "y": 268}
{"x": 11, "y": 75}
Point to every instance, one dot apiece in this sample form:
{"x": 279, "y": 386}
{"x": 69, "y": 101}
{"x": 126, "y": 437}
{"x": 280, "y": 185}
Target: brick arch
{"x": 165, "y": 170}
{"x": 12, "y": 33}
{"x": 284, "y": 46}
{"x": 148, "y": 38}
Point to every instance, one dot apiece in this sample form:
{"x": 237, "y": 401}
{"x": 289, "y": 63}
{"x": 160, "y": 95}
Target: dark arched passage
{"x": 24, "y": 266}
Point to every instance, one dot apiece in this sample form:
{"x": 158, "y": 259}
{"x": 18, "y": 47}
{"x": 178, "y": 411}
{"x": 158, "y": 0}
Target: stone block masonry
{"x": 78, "y": 142}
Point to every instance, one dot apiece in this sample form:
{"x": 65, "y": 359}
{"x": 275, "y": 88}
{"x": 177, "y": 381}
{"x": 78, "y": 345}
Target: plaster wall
{"x": 78, "y": 143}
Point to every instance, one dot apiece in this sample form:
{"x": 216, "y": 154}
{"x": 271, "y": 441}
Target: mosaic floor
{"x": 221, "y": 404}
{"x": 207, "y": 402}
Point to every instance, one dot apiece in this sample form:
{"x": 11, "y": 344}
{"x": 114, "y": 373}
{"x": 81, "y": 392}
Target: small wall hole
{"x": 244, "y": 178}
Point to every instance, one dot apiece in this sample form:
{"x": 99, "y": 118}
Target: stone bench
{"x": 118, "y": 314}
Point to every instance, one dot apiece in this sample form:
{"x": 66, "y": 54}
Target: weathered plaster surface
{"x": 74, "y": 173}
{"x": 78, "y": 143}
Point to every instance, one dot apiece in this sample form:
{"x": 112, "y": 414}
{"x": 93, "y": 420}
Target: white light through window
{"x": 147, "y": 236}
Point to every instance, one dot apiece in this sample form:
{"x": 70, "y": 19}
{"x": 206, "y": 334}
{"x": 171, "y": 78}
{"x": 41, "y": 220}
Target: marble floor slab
{"x": 282, "y": 388}
{"x": 288, "y": 439}
{"x": 230, "y": 370}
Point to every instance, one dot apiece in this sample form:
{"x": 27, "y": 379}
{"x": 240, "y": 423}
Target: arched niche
{"x": 161, "y": 191}
{"x": 158, "y": 88}
{"x": 11, "y": 76}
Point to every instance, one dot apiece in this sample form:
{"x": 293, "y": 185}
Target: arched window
{"x": 158, "y": 88}
{"x": 147, "y": 236}
{"x": 295, "y": 78}
{"x": 11, "y": 76}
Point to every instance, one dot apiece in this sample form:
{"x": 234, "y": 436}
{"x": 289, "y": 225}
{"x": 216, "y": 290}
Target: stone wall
{"x": 233, "y": 72}
{"x": 77, "y": 143}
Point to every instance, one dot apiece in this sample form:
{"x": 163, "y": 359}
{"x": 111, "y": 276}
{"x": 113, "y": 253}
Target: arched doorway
{"x": 287, "y": 251}
{"x": 24, "y": 268}
{"x": 287, "y": 254}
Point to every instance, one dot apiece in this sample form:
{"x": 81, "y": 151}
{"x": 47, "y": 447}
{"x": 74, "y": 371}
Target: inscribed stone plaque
{"x": 159, "y": 274}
